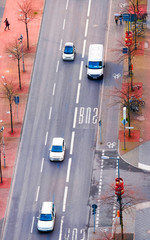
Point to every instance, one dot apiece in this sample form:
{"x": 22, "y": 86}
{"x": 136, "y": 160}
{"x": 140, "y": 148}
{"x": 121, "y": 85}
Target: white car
{"x": 46, "y": 219}
{"x": 57, "y": 149}
{"x": 69, "y": 52}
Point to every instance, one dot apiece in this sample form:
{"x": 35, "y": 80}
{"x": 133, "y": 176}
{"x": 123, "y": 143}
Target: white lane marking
{"x": 65, "y": 199}
{"x": 89, "y": 6}
{"x": 46, "y": 138}
{"x": 54, "y": 89}
{"x": 60, "y": 46}
{"x": 78, "y": 93}
{"x": 57, "y": 66}
{"x": 50, "y": 112}
{"x": 83, "y": 50}
{"x": 42, "y": 163}
{"x": 81, "y": 69}
{"x": 75, "y": 117}
{"x": 68, "y": 170}
{"x": 64, "y": 24}
{"x": 86, "y": 27}
{"x": 61, "y": 226}
{"x": 32, "y": 224}
{"x": 67, "y": 4}
{"x": 37, "y": 194}
{"x": 72, "y": 142}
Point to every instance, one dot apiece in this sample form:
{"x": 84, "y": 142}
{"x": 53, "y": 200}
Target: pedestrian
{"x": 120, "y": 18}
{"x": 6, "y": 24}
{"x": 116, "y": 20}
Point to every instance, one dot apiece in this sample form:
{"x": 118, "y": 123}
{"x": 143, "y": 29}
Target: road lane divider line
{"x": 42, "y": 163}
{"x": 89, "y": 7}
{"x": 64, "y": 24}
{"x": 72, "y": 142}
{"x": 65, "y": 199}
{"x": 75, "y": 117}
{"x": 83, "y": 50}
{"x": 61, "y": 226}
{"x": 46, "y": 138}
{"x": 86, "y": 27}
{"x": 50, "y": 112}
{"x": 54, "y": 89}
{"x": 67, "y": 2}
{"x": 57, "y": 66}
{"x": 68, "y": 170}
{"x": 33, "y": 219}
{"x": 60, "y": 46}
{"x": 37, "y": 194}
{"x": 78, "y": 93}
{"x": 81, "y": 70}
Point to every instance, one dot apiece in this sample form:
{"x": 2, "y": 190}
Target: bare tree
{"x": 27, "y": 15}
{"x": 129, "y": 198}
{"x": 16, "y": 50}
{"x": 9, "y": 92}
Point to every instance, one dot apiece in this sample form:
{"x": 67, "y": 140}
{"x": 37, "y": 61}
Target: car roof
{"x": 57, "y": 141}
{"x": 69, "y": 44}
{"x": 46, "y": 207}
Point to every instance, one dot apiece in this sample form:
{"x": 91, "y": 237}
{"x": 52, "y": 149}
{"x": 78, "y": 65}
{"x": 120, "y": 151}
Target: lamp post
{"x": 21, "y": 41}
{"x": 2, "y": 130}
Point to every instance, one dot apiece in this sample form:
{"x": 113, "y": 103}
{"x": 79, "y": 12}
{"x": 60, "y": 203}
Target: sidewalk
{"x": 8, "y": 72}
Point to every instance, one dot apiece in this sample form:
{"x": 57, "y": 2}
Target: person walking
{"x": 116, "y": 20}
{"x": 120, "y": 18}
{"x": 6, "y": 24}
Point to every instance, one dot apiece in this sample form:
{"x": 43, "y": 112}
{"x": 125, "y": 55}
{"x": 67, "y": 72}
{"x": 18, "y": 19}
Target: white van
{"x": 95, "y": 62}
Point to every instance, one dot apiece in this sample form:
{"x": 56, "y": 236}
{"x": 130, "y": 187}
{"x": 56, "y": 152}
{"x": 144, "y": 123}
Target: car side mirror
{"x": 86, "y": 66}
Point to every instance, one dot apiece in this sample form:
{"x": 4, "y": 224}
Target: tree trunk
{"x": 27, "y": 36}
{"x": 19, "y": 73}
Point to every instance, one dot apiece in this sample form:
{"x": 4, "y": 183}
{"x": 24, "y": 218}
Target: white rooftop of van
{"x": 96, "y": 52}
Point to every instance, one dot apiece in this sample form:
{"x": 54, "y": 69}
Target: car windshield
{"x": 95, "y": 65}
{"x": 68, "y": 50}
{"x": 46, "y": 217}
{"x": 57, "y": 148}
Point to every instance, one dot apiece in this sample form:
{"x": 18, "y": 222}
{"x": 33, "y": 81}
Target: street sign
{"x": 127, "y": 17}
{"x": 125, "y": 50}
{"x": 124, "y": 121}
{"x": 129, "y": 127}
{"x": 16, "y": 99}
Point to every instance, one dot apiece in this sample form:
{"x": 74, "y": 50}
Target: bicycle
{"x": 136, "y": 87}
{"x": 138, "y": 101}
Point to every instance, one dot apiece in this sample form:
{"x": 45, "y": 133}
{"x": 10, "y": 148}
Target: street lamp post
{"x": 21, "y": 41}
{"x": 2, "y": 130}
